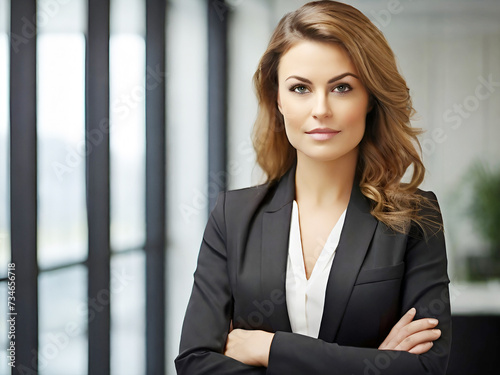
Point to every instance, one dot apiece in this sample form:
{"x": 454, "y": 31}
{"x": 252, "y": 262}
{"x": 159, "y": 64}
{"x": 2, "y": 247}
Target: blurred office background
{"x": 190, "y": 68}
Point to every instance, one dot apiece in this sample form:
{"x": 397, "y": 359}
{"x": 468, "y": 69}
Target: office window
{"x": 63, "y": 321}
{"x": 61, "y": 149}
{"x": 127, "y": 118}
{"x": 128, "y": 339}
{"x": 69, "y": 324}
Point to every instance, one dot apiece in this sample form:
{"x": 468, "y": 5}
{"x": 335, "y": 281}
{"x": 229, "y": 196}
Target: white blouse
{"x": 305, "y": 298}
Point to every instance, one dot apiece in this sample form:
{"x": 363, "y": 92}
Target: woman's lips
{"x": 322, "y": 134}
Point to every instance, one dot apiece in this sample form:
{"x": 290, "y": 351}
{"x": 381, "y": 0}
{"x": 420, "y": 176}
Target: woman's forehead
{"x": 315, "y": 59}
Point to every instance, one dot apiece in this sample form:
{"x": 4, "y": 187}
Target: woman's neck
{"x": 324, "y": 183}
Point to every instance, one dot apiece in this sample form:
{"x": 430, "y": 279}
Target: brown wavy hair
{"x": 389, "y": 146}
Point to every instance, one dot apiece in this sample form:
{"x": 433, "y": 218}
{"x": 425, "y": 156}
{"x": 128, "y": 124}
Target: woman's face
{"x": 323, "y": 103}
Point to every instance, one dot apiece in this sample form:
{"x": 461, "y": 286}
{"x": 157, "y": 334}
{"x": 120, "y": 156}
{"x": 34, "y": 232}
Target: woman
{"x": 333, "y": 266}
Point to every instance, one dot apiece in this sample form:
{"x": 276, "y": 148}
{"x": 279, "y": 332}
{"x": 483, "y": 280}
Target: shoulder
{"x": 428, "y": 202}
{"x": 430, "y": 221}
{"x": 252, "y": 192}
{"x": 237, "y": 204}
{"x": 429, "y": 194}
{"x": 236, "y": 209}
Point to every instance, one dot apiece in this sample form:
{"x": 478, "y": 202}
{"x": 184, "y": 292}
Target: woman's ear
{"x": 278, "y": 101}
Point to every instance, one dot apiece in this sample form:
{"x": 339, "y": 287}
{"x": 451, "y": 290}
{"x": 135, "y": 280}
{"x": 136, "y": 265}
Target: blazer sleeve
{"x": 208, "y": 315}
{"x": 425, "y": 287}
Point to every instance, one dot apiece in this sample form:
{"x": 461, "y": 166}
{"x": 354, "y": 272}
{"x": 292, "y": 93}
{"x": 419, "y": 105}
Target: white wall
{"x": 186, "y": 154}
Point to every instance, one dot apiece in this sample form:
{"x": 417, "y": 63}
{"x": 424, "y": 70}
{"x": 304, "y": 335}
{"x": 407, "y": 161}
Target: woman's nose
{"x": 322, "y": 107}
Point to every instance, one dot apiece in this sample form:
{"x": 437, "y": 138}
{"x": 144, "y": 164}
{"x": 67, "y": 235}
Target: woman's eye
{"x": 343, "y": 88}
{"x": 300, "y": 89}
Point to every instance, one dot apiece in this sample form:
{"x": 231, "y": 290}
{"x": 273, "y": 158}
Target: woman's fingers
{"x": 405, "y": 320}
{"x": 413, "y": 336}
{"x": 411, "y": 329}
{"x": 416, "y": 339}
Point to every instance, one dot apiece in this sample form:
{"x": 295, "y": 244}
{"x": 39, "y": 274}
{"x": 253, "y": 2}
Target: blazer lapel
{"x": 275, "y": 236}
{"x": 358, "y": 230}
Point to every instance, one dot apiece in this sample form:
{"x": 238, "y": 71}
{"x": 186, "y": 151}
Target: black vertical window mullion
{"x": 98, "y": 185}
{"x": 217, "y": 97}
{"x": 23, "y": 182}
{"x": 155, "y": 186}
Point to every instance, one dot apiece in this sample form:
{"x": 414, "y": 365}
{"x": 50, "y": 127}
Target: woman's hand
{"x": 249, "y": 346}
{"x": 412, "y": 336}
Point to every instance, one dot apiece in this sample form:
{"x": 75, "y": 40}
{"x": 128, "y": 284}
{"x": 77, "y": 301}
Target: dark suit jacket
{"x": 377, "y": 275}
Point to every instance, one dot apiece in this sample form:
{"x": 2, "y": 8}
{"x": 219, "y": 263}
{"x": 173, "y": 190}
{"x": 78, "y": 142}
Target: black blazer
{"x": 377, "y": 275}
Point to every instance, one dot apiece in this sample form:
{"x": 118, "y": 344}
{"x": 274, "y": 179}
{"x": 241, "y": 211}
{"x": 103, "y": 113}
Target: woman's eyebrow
{"x": 329, "y": 81}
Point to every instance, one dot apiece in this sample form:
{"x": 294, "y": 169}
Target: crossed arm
{"x": 252, "y": 347}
